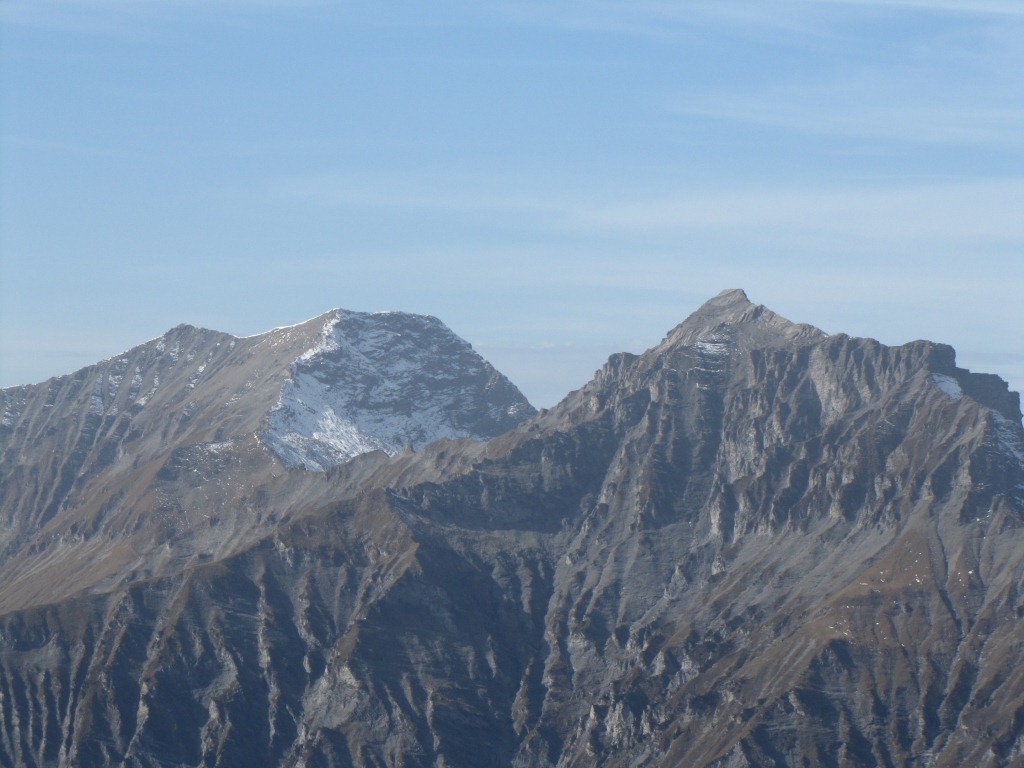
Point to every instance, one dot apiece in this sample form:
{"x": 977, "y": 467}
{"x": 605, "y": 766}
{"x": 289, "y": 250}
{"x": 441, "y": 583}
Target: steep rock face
{"x": 755, "y": 544}
{"x": 383, "y": 382}
{"x": 148, "y": 461}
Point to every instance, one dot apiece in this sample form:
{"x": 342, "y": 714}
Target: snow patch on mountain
{"x": 1009, "y": 436}
{"x": 12, "y": 410}
{"x": 949, "y": 385}
{"x": 382, "y": 382}
{"x": 136, "y": 385}
{"x": 715, "y": 346}
{"x": 152, "y": 390}
{"x": 96, "y": 401}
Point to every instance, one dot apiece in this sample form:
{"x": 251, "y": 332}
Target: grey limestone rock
{"x": 755, "y": 544}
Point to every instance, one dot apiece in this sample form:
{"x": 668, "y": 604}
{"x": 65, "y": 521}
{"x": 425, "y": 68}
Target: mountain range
{"x": 352, "y": 542}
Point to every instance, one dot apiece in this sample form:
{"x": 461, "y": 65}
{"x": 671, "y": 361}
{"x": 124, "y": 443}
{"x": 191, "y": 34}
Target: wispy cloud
{"x": 972, "y": 7}
{"x": 115, "y": 17}
{"x": 656, "y": 18}
{"x": 659, "y": 20}
{"x": 984, "y": 210}
{"x": 651, "y": 18}
{"x": 456, "y": 195}
{"x": 871, "y": 108}
{"x": 950, "y": 82}
{"x": 947, "y": 83}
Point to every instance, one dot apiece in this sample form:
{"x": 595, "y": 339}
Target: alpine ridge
{"x": 755, "y": 544}
{"x": 158, "y": 456}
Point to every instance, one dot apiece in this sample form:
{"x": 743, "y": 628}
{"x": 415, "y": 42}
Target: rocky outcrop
{"x": 755, "y": 544}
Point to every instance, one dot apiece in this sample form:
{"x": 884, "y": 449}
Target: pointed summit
{"x": 729, "y": 297}
{"x": 383, "y": 381}
{"x": 731, "y": 314}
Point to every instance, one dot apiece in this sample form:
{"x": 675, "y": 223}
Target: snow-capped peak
{"x": 383, "y": 381}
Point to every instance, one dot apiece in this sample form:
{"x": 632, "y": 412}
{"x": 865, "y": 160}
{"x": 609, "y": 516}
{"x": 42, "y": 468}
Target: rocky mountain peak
{"x": 384, "y": 381}
{"x": 168, "y": 440}
{"x": 727, "y": 299}
{"x": 732, "y": 317}
{"x": 754, "y": 544}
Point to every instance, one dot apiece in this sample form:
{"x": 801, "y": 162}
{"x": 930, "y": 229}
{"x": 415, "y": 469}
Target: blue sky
{"x": 556, "y": 181}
